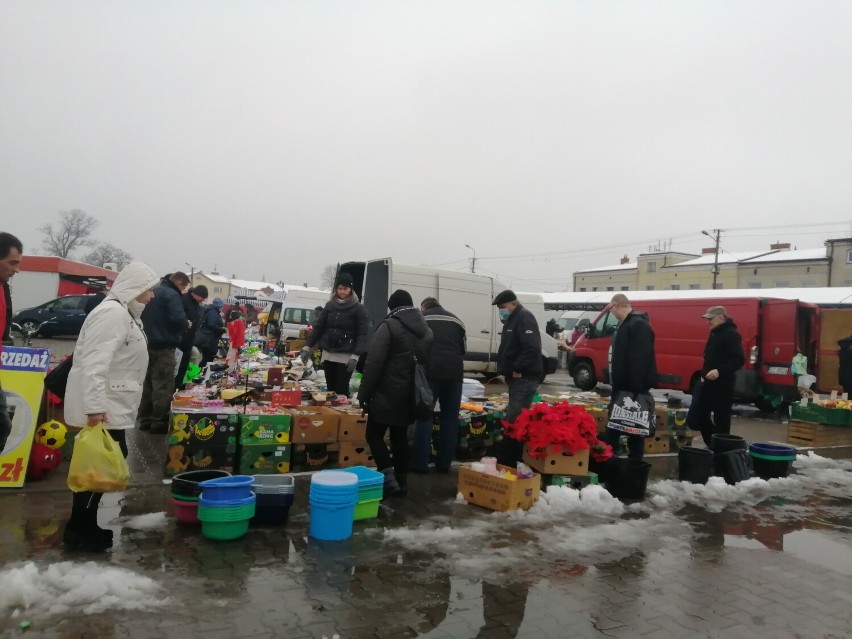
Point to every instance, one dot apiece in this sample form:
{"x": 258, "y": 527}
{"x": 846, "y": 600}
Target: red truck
{"x": 773, "y": 331}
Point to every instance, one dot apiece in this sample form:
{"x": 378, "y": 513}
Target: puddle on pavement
{"x": 829, "y": 550}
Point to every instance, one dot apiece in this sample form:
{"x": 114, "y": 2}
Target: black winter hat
{"x": 400, "y": 298}
{"x": 200, "y": 290}
{"x": 504, "y": 297}
{"x": 345, "y": 279}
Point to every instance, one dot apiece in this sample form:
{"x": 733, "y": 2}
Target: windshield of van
{"x": 604, "y": 325}
{"x": 566, "y": 323}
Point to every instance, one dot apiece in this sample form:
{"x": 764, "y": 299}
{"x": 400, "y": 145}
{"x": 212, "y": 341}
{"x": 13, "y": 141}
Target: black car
{"x": 66, "y": 314}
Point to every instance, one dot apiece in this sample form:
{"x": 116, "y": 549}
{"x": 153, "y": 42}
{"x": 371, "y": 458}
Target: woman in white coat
{"x": 105, "y": 385}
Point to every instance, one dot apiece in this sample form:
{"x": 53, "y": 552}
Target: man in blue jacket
{"x": 519, "y": 361}
{"x": 165, "y": 323}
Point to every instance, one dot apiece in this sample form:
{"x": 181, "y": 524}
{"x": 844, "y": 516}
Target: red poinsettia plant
{"x": 562, "y": 426}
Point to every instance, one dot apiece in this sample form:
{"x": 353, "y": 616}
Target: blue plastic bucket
{"x": 778, "y": 451}
{"x": 331, "y": 522}
{"x": 205, "y": 501}
{"x": 227, "y": 488}
{"x": 334, "y": 487}
{"x": 367, "y": 477}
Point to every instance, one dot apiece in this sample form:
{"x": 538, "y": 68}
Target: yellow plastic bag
{"x": 97, "y": 464}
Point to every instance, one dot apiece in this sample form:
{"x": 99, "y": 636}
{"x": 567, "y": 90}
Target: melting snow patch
{"x": 150, "y": 521}
{"x": 76, "y": 587}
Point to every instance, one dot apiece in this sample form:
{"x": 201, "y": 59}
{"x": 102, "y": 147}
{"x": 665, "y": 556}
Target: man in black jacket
{"x": 519, "y": 361}
{"x": 192, "y": 307}
{"x": 445, "y": 369}
{"x": 723, "y": 357}
{"x": 165, "y": 323}
{"x": 633, "y": 367}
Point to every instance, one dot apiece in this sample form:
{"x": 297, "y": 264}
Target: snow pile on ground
{"x": 69, "y": 586}
{"x": 149, "y": 521}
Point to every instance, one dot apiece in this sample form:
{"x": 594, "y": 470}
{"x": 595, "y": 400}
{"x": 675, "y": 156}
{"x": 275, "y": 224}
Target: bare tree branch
{"x": 327, "y": 277}
{"x": 73, "y": 231}
{"x": 106, "y": 253}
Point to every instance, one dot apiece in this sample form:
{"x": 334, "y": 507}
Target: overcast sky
{"x": 271, "y": 138}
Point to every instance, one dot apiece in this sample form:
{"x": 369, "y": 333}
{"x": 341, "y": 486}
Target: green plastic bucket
{"x": 224, "y": 530}
{"x": 366, "y": 509}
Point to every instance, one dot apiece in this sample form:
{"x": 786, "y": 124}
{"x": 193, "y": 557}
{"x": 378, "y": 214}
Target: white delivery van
{"x": 297, "y": 309}
{"x": 467, "y": 295}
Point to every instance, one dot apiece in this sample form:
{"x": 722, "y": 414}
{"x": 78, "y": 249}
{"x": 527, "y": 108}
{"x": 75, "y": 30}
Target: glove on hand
{"x": 351, "y": 364}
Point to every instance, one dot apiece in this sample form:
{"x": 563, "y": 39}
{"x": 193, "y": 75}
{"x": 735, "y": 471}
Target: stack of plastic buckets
{"x": 370, "y": 487}
{"x": 225, "y": 507}
{"x": 274, "y": 497}
{"x": 333, "y": 496}
{"x": 186, "y": 490}
{"x": 771, "y": 461}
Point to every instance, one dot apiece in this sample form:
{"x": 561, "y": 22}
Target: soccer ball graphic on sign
{"x": 52, "y": 434}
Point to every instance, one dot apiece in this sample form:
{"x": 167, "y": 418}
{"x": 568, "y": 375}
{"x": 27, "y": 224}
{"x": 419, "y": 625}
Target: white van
{"x": 467, "y": 295}
{"x": 297, "y": 310}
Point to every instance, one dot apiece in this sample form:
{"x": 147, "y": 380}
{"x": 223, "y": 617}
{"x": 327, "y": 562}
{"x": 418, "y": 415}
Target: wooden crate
{"x": 808, "y": 434}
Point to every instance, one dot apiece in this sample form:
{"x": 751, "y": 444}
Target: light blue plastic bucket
{"x": 334, "y": 487}
{"x": 331, "y": 521}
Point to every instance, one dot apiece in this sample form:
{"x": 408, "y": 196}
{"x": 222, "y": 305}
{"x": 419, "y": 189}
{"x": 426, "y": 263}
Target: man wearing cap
{"x": 723, "y": 357}
{"x": 192, "y": 307}
{"x": 519, "y": 361}
{"x": 165, "y": 322}
{"x": 210, "y": 330}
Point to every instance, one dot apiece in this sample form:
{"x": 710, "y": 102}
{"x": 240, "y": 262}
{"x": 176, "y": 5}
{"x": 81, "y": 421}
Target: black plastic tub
{"x": 732, "y": 465}
{"x": 272, "y": 509}
{"x": 186, "y": 484}
{"x": 695, "y": 465}
{"x": 628, "y": 478}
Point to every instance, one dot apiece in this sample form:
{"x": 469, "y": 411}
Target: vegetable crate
{"x": 807, "y": 434}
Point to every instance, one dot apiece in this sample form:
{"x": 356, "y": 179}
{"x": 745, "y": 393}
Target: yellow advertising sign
{"x": 22, "y": 373}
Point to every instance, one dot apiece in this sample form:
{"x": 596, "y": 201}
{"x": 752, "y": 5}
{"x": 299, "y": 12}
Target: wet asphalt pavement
{"x": 763, "y": 559}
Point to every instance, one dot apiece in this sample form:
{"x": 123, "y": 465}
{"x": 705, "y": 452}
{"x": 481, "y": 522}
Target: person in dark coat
{"x": 387, "y": 387}
{"x": 11, "y": 251}
{"x": 723, "y": 357}
{"x": 211, "y": 329}
{"x": 165, "y": 322}
{"x": 633, "y": 367}
{"x": 342, "y": 331}
{"x": 844, "y": 373}
{"x": 519, "y": 361}
{"x": 192, "y": 307}
{"x": 445, "y": 369}
{"x": 552, "y": 327}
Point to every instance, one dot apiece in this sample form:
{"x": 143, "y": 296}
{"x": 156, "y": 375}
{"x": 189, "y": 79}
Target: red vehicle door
{"x": 777, "y": 345}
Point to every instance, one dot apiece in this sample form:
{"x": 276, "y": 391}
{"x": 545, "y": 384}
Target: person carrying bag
{"x": 103, "y": 392}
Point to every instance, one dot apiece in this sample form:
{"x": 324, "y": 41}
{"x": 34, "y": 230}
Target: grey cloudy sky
{"x": 273, "y": 138}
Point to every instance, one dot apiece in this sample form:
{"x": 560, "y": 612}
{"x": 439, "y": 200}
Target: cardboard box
{"x": 496, "y": 493}
{"x": 559, "y": 462}
{"x": 314, "y": 425}
{"x": 275, "y": 376}
{"x": 306, "y": 457}
{"x": 290, "y": 394}
{"x": 265, "y": 429}
{"x": 355, "y": 454}
{"x": 198, "y": 456}
{"x": 200, "y": 427}
{"x": 660, "y": 443}
{"x": 352, "y": 427}
{"x": 259, "y": 459}
{"x": 670, "y": 418}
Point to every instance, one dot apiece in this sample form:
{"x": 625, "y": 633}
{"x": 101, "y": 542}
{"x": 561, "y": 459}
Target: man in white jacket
{"x": 105, "y": 385}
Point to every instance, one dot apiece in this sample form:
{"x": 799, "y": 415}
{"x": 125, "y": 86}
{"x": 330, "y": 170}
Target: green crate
{"x": 820, "y": 415}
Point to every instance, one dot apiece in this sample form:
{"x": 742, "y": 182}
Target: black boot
{"x": 402, "y": 481}
{"x": 82, "y": 531}
{"x": 391, "y": 487}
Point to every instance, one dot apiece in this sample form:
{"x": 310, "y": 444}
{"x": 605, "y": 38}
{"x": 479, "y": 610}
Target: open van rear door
{"x": 834, "y": 325}
{"x": 777, "y": 345}
{"x": 372, "y": 284}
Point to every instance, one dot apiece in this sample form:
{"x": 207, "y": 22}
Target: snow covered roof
{"x": 215, "y": 277}
{"x": 791, "y": 256}
{"x": 724, "y": 258}
{"x": 254, "y": 286}
{"x": 617, "y": 267}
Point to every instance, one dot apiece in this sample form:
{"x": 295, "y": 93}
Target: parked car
{"x": 66, "y": 314}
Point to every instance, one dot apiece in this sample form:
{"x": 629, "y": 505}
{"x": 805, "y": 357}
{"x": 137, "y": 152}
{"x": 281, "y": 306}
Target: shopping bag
{"x": 97, "y": 463}
{"x": 57, "y": 379}
{"x": 633, "y": 414}
{"x": 423, "y": 400}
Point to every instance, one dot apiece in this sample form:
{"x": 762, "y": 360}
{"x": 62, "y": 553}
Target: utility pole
{"x": 473, "y": 259}
{"x": 715, "y": 270}
{"x": 191, "y": 273}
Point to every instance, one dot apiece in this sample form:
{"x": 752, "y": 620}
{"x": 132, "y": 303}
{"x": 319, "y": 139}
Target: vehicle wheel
{"x": 584, "y": 376}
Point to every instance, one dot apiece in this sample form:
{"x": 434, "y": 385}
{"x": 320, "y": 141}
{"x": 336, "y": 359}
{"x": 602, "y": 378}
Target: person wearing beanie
{"x": 210, "y": 329}
{"x": 387, "y": 387}
{"x": 192, "y": 307}
{"x": 445, "y": 370}
{"x": 342, "y": 331}
{"x": 519, "y": 361}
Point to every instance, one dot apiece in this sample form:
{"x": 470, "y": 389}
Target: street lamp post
{"x": 715, "y": 270}
{"x": 191, "y": 273}
{"x": 473, "y": 260}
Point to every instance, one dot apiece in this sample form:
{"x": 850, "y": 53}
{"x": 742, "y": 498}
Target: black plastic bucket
{"x": 272, "y": 509}
{"x": 186, "y": 484}
{"x": 628, "y": 478}
{"x": 694, "y": 464}
{"x": 732, "y": 465}
{"x": 771, "y": 461}
{"x": 722, "y": 443}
